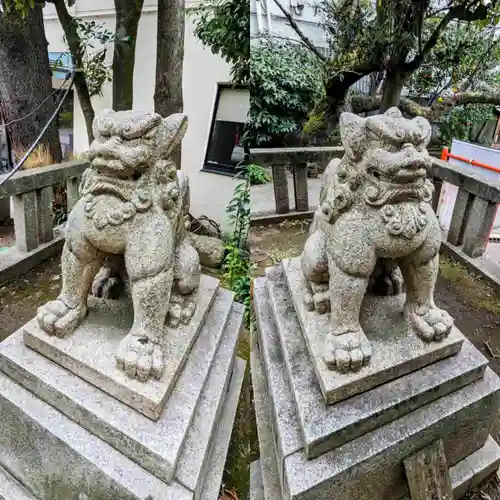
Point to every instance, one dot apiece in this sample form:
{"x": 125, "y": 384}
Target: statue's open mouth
{"x": 403, "y": 176}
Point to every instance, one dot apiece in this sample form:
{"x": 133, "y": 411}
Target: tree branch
{"x": 363, "y": 104}
{"x": 299, "y": 32}
{"x": 460, "y": 13}
{"x": 430, "y": 44}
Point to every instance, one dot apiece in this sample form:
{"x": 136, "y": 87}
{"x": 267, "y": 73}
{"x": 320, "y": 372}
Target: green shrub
{"x": 286, "y": 80}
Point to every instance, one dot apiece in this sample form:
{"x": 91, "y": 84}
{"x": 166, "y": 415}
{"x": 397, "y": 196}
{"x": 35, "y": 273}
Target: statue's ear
{"x": 103, "y": 122}
{"x": 425, "y": 130}
{"x": 171, "y": 133}
{"x": 352, "y": 134}
{"x": 394, "y": 112}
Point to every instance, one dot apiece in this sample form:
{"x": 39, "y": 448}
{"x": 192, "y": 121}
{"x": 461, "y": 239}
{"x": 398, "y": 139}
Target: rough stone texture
{"x": 484, "y": 463}
{"x": 300, "y": 187}
{"x": 90, "y": 351}
{"x": 215, "y": 465}
{"x": 135, "y": 435}
{"x": 15, "y": 262}
{"x": 356, "y": 470}
{"x": 474, "y": 469}
{"x": 478, "y": 226}
{"x": 256, "y": 488}
{"x": 289, "y": 437}
{"x": 25, "y": 216}
{"x": 470, "y": 179}
{"x": 193, "y": 459}
{"x": 134, "y": 202}
{"x": 59, "y": 460}
{"x": 459, "y": 217}
{"x": 397, "y": 350}
{"x": 293, "y": 156}
{"x": 280, "y": 184}
{"x": 72, "y": 192}
{"x": 270, "y": 470}
{"x": 291, "y": 376}
{"x": 37, "y": 178}
{"x": 463, "y": 476}
{"x": 369, "y": 467}
{"x": 211, "y": 250}
{"x": 374, "y": 215}
{"x": 10, "y": 489}
{"x": 44, "y": 214}
{"x": 427, "y": 472}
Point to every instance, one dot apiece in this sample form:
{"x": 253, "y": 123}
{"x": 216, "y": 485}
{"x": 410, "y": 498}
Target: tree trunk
{"x": 76, "y": 51}
{"x": 128, "y": 14}
{"x": 393, "y": 87}
{"x": 26, "y": 81}
{"x": 169, "y": 61}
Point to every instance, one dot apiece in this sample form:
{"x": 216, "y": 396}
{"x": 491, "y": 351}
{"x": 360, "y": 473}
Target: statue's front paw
{"x": 347, "y": 352}
{"x": 429, "y": 323}
{"x": 139, "y": 357}
{"x": 56, "y": 318}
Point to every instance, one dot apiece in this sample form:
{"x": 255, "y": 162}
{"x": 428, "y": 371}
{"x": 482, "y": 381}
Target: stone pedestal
{"x": 324, "y": 435}
{"x": 73, "y": 427}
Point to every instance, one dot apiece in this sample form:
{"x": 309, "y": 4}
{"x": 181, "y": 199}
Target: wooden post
{"x": 427, "y": 474}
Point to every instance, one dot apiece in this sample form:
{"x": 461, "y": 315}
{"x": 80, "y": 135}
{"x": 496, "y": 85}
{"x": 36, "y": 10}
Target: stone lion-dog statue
{"x": 374, "y": 226}
{"x": 132, "y": 213}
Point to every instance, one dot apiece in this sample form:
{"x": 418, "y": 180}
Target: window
{"x": 225, "y": 150}
{"x": 61, "y": 64}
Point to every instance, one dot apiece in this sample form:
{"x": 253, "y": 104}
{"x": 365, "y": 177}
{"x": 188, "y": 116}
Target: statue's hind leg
{"x": 110, "y": 280}
{"x": 187, "y": 273}
{"x": 314, "y": 262}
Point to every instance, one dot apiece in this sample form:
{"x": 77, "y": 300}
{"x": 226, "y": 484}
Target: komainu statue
{"x": 374, "y": 230}
{"x": 131, "y": 218}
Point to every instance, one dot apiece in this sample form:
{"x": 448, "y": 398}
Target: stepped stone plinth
{"x": 132, "y": 397}
{"x": 354, "y": 367}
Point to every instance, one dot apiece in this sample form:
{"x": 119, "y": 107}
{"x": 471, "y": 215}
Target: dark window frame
{"x": 219, "y": 168}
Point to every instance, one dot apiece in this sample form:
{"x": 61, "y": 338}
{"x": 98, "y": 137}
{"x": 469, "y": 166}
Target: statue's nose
{"x": 105, "y": 145}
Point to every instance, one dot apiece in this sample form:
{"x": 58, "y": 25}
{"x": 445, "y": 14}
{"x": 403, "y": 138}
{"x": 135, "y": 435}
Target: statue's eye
{"x": 391, "y": 147}
{"x": 371, "y": 134}
{"x": 150, "y": 134}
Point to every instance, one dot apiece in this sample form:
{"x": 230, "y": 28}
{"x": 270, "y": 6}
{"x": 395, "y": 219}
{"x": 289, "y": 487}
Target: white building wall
{"x": 203, "y": 71}
{"x": 306, "y": 18}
